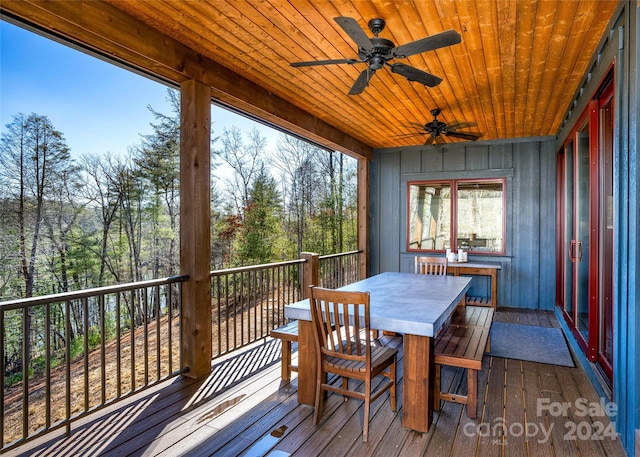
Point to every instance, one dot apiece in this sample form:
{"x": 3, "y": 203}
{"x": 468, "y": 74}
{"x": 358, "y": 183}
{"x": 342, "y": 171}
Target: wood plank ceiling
{"x": 515, "y": 73}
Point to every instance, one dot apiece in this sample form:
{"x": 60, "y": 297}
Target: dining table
{"x": 416, "y": 306}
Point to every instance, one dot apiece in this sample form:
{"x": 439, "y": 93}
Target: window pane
{"x": 429, "y": 216}
{"x": 479, "y": 216}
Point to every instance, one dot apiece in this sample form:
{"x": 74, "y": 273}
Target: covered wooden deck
{"x": 238, "y": 410}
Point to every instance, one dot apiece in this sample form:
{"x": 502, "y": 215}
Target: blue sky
{"x": 98, "y": 106}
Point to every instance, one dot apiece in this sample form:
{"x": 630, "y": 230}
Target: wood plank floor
{"x": 236, "y": 411}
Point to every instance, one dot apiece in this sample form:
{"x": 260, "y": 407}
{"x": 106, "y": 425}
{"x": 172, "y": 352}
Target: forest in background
{"x": 69, "y": 223}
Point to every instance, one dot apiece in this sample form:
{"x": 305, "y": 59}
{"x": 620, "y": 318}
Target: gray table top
{"x": 403, "y": 302}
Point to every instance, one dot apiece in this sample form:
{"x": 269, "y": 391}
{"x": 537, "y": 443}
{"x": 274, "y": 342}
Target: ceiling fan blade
{"x": 362, "y": 82}
{"x": 429, "y": 43}
{"x": 351, "y": 27}
{"x": 405, "y": 135}
{"x": 465, "y": 136}
{"x": 324, "y": 62}
{"x": 460, "y": 125}
{"x": 413, "y": 74}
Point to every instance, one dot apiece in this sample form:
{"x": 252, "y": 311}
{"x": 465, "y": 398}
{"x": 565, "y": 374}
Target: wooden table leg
{"x": 418, "y": 382}
{"x": 494, "y": 289}
{"x": 306, "y": 364}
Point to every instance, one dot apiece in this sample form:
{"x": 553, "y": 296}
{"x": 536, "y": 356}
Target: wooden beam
{"x": 311, "y": 271}
{"x": 363, "y": 218}
{"x": 116, "y": 36}
{"x": 195, "y": 222}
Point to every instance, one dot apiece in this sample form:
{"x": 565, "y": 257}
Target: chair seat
{"x": 379, "y": 359}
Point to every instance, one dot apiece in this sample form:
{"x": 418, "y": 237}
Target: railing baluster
{"x": 118, "y": 348}
{"x": 25, "y": 372}
{"x": 132, "y": 349}
{"x": 2, "y": 382}
{"x": 47, "y": 367}
{"x": 67, "y": 356}
{"x": 145, "y": 328}
{"x": 158, "y": 336}
{"x": 85, "y": 317}
{"x": 103, "y": 352}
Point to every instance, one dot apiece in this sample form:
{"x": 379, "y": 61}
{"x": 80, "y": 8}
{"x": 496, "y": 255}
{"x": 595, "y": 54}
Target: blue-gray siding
{"x": 527, "y": 278}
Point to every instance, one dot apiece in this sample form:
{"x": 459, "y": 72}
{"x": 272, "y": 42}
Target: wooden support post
{"x": 418, "y": 382}
{"x": 311, "y": 274}
{"x": 195, "y": 232}
{"x": 363, "y": 218}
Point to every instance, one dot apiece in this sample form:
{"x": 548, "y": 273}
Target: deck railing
{"x": 248, "y": 302}
{"x": 67, "y": 355}
{"x": 337, "y": 270}
{"x": 70, "y": 354}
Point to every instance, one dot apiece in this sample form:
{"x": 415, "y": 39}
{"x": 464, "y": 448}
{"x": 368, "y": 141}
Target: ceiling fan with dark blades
{"x": 437, "y": 129}
{"x": 377, "y": 52}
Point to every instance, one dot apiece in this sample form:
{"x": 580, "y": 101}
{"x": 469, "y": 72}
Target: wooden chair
{"x": 431, "y": 265}
{"x": 343, "y": 347}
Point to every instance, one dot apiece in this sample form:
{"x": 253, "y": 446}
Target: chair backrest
{"x": 341, "y": 323}
{"x": 431, "y": 265}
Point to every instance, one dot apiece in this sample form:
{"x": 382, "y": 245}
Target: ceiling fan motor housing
{"x": 376, "y": 25}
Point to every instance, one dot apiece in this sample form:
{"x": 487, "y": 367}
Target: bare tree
{"x": 101, "y": 192}
{"x": 297, "y": 161}
{"x": 245, "y": 161}
{"x": 34, "y": 156}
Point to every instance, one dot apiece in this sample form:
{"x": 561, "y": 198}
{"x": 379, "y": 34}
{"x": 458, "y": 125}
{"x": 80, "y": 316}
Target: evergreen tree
{"x": 260, "y": 233}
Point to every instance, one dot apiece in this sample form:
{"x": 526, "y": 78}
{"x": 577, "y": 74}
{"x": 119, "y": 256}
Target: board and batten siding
{"x": 527, "y": 278}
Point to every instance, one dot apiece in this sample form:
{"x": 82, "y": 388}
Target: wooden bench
{"x": 288, "y": 334}
{"x": 462, "y": 343}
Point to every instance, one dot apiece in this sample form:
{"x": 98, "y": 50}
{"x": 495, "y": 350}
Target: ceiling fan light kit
{"x": 377, "y": 52}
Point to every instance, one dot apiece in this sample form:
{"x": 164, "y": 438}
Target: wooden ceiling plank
{"x": 543, "y": 30}
{"x": 440, "y": 62}
{"x": 199, "y": 17}
{"x": 490, "y": 34}
{"x": 506, "y": 28}
{"x": 254, "y": 63}
{"x": 525, "y": 19}
{"x": 415, "y": 97}
{"x": 556, "y": 54}
{"x": 475, "y": 53}
{"x": 587, "y": 33}
{"x": 463, "y": 81}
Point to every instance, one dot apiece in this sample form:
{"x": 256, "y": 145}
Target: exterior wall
{"x": 527, "y": 278}
{"x": 620, "y": 48}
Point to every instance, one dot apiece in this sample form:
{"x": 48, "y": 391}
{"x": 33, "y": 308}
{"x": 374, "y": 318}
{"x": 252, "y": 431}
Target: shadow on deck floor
{"x": 239, "y": 410}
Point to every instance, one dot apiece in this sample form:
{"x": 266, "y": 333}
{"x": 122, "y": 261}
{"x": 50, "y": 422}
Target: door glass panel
{"x": 568, "y": 231}
{"x": 606, "y": 264}
{"x": 429, "y": 216}
{"x": 582, "y": 232}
